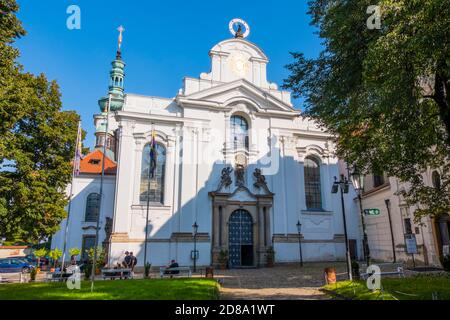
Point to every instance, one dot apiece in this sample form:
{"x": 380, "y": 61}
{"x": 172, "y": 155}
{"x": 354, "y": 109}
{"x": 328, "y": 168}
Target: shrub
{"x": 223, "y": 258}
{"x": 33, "y": 273}
{"x": 446, "y": 262}
{"x": 270, "y": 256}
{"x": 147, "y": 269}
{"x": 101, "y": 257}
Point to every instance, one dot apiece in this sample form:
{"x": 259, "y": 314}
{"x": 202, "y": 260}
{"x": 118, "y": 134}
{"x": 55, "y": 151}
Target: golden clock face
{"x": 239, "y": 64}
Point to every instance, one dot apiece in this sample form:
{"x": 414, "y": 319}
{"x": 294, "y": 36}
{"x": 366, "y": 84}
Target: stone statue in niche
{"x": 108, "y": 225}
{"x": 260, "y": 179}
{"x": 225, "y": 178}
{"x": 240, "y": 175}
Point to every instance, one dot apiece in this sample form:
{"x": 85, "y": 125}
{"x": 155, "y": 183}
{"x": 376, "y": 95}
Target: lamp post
{"x": 299, "y": 229}
{"x": 342, "y": 184}
{"x": 358, "y": 183}
{"x": 195, "y": 229}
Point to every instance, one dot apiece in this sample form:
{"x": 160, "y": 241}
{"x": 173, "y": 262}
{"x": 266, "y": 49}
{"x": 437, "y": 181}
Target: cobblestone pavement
{"x": 280, "y": 282}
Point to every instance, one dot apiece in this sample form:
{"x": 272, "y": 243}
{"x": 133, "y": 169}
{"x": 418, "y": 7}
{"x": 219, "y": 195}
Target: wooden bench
{"x": 56, "y": 276}
{"x": 116, "y": 273}
{"x": 164, "y": 272}
{"x": 400, "y": 273}
{"x": 67, "y": 273}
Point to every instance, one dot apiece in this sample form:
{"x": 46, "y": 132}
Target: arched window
{"x": 92, "y": 207}
{"x": 239, "y": 132}
{"x": 436, "y": 179}
{"x": 156, "y": 191}
{"x": 312, "y": 184}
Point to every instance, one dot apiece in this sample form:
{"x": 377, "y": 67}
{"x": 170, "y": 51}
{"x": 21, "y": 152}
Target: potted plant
{"x": 355, "y": 270}
{"x": 87, "y": 271}
{"x": 147, "y": 269}
{"x": 100, "y": 260}
{"x": 39, "y": 254}
{"x": 446, "y": 262}
{"x": 270, "y": 257}
{"x": 33, "y": 273}
{"x": 223, "y": 259}
{"x": 74, "y": 252}
{"x": 55, "y": 254}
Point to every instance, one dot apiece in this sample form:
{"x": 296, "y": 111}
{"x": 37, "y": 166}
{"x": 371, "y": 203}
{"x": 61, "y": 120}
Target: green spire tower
{"x": 116, "y": 94}
{"x": 116, "y": 78}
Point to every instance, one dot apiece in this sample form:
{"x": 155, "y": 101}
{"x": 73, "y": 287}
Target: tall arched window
{"x": 92, "y": 207}
{"x": 239, "y": 132}
{"x": 156, "y": 191}
{"x": 312, "y": 184}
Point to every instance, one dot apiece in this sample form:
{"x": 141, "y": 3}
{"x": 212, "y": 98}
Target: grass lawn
{"x": 151, "y": 289}
{"x": 413, "y": 288}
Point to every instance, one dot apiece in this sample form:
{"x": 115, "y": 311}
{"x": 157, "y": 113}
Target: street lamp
{"x": 358, "y": 183}
{"x": 342, "y": 184}
{"x": 195, "y": 229}
{"x": 299, "y": 229}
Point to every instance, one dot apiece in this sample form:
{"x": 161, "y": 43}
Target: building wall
{"x": 78, "y": 227}
{"x": 379, "y": 231}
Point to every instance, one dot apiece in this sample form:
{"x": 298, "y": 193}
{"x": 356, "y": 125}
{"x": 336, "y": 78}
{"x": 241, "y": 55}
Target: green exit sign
{"x": 372, "y": 212}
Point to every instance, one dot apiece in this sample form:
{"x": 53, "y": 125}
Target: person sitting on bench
{"x": 173, "y": 264}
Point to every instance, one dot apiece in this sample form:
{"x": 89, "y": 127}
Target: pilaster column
{"x": 216, "y": 226}
{"x": 176, "y": 179}
{"x": 261, "y": 227}
{"x": 124, "y": 180}
{"x": 227, "y": 141}
{"x": 267, "y": 226}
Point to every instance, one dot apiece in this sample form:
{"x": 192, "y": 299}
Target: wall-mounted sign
{"x": 194, "y": 254}
{"x": 411, "y": 243}
{"x": 372, "y": 212}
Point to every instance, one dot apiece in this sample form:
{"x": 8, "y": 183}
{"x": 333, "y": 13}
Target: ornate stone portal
{"x": 241, "y": 220}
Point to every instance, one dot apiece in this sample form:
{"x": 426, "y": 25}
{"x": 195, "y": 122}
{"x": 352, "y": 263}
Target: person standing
{"x": 133, "y": 262}
{"x": 127, "y": 260}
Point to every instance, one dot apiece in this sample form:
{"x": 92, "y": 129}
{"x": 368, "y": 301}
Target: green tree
{"x": 384, "y": 93}
{"x": 37, "y": 141}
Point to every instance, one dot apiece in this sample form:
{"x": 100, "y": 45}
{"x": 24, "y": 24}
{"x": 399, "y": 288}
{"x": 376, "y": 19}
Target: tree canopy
{"x": 384, "y": 93}
{"x": 37, "y": 141}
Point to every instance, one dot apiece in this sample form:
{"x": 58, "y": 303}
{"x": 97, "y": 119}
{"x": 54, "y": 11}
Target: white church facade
{"x": 233, "y": 156}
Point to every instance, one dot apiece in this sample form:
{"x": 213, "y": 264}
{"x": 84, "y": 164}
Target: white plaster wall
{"x": 311, "y": 252}
{"x": 83, "y": 186}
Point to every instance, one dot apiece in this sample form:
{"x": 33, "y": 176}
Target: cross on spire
{"x": 121, "y": 29}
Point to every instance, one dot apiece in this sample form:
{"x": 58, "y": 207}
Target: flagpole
{"x": 66, "y": 231}
{"x": 105, "y": 142}
{"x": 148, "y": 203}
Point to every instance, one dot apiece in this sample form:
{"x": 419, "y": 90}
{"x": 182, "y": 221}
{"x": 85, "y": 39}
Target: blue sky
{"x": 163, "y": 42}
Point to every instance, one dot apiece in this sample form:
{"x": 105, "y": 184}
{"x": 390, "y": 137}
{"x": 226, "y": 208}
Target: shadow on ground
{"x": 281, "y": 282}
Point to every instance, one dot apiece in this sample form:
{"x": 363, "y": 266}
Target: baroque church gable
{"x": 223, "y": 95}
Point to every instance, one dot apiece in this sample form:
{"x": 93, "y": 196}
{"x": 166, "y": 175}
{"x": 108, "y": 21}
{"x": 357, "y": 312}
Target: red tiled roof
{"x": 92, "y": 163}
